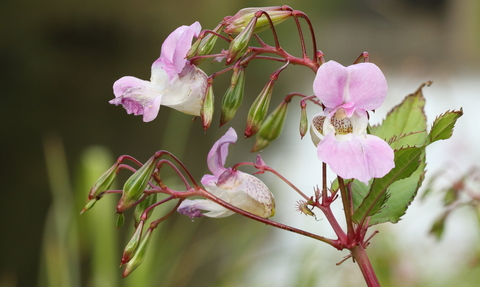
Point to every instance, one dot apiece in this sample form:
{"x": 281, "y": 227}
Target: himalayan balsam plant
{"x": 378, "y": 169}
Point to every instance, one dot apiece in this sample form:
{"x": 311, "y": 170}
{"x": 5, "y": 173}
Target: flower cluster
{"x": 340, "y": 131}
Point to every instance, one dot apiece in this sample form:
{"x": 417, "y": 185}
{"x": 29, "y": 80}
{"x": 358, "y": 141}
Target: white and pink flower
{"x": 240, "y": 189}
{"x": 174, "y": 81}
{"x": 340, "y": 130}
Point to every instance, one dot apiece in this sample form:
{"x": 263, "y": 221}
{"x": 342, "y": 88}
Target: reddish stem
{"x": 335, "y": 243}
{"x": 359, "y": 254}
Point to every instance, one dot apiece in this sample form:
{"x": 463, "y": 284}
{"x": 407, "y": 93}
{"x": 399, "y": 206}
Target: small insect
{"x": 302, "y": 206}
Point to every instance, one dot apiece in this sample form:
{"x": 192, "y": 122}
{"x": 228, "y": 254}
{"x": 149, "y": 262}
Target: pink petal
{"x": 209, "y": 180}
{"x": 184, "y": 44}
{"x": 362, "y": 84}
{"x": 137, "y": 97}
{"x": 362, "y": 158}
{"x": 379, "y": 156}
{"x": 192, "y": 208}
{"x": 150, "y": 110}
{"x": 329, "y": 84}
{"x": 175, "y": 48}
{"x": 367, "y": 86}
{"x": 218, "y": 154}
{"x": 125, "y": 83}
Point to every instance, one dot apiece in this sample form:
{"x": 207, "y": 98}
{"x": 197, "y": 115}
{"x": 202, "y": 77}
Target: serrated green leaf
{"x": 442, "y": 127}
{"x": 406, "y": 124}
{"x": 401, "y": 194}
{"x": 407, "y": 161}
{"x": 359, "y": 192}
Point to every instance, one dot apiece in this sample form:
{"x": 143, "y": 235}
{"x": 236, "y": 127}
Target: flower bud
{"x": 272, "y": 127}
{"x": 132, "y": 244}
{"x": 239, "y": 45}
{"x": 136, "y": 184}
{"x": 120, "y": 220}
{"x": 233, "y": 97}
{"x": 207, "y": 108}
{"x": 142, "y": 206}
{"x": 303, "y": 121}
{"x": 204, "y": 46}
{"x": 104, "y": 182}
{"x": 258, "y": 110}
{"x": 238, "y": 22}
{"x": 139, "y": 254}
{"x": 89, "y": 205}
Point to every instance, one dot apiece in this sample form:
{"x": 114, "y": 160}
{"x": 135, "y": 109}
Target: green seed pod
{"x": 258, "y": 110}
{"x": 303, "y": 122}
{"x": 132, "y": 245}
{"x": 136, "y": 184}
{"x": 238, "y": 22}
{"x": 204, "y": 46}
{"x": 104, "y": 182}
{"x": 120, "y": 220}
{"x": 142, "y": 206}
{"x": 89, "y": 205}
{"x": 239, "y": 45}
{"x": 139, "y": 255}
{"x": 207, "y": 109}
{"x": 272, "y": 127}
{"x": 233, "y": 97}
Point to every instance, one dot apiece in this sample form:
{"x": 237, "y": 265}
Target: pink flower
{"x": 340, "y": 131}
{"x": 235, "y": 187}
{"x": 174, "y": 82}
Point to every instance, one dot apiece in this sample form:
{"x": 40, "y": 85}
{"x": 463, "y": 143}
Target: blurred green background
{"x": 59, "y": 60}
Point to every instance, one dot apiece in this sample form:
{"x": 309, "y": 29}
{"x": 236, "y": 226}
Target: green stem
{"x": 347, "y": 209}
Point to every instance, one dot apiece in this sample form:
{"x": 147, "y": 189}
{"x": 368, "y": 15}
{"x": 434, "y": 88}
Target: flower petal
{"x": 329, "y": 84}
{"x": 184, "y": 44}
{"x": 174, "y": 49}
{"x": 260, "y": 200}
{"x": 159, "y": 76}
{"x": 362, "y": 84}
{"x": 186, "y": 94}
{"x": 138, "y": 97}
{"x": 366, "y": 87}
{"x": 242, "y": 190}
{"x": 218, "y": 154}
{"x": 362, "y": 158}
{"x": 192, "y": 208}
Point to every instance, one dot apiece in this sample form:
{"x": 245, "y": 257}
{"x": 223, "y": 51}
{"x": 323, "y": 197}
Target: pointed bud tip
{"x": 229, "y": 60}
{"x": 125, "y": 259}
{"x": 260, "y": 144}
{"x": 250, "y": 131}
{"x": 223, "y": 120}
